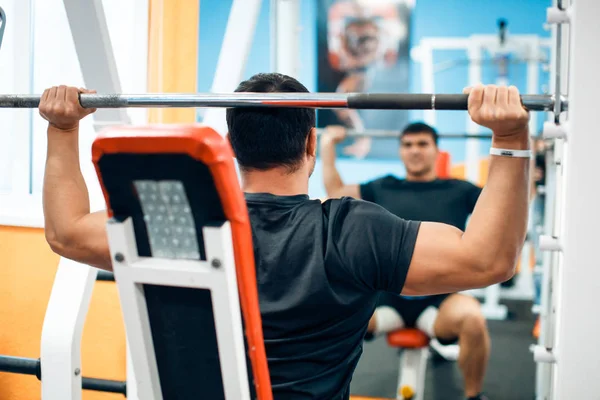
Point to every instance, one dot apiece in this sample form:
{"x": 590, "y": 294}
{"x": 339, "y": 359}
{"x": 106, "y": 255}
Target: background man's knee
{"x": 474, "y": 325}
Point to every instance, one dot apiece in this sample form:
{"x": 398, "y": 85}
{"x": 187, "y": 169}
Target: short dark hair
{"x": 264, "y": 138}
{"x": 420, "y": 127}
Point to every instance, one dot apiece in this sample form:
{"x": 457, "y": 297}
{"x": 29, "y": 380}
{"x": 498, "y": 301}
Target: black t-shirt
{"x": 320, "y": 268}
{"x": 450, "y": 201}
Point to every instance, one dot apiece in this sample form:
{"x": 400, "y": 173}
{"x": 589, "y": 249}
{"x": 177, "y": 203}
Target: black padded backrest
{"x": 119, "y": 171}
{"x": 181, "y": 319}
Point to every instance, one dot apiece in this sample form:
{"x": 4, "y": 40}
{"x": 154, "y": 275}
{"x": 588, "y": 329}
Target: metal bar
{"x": 20, "y": 365}
{"x": 2, "y": 24}
{"x": 31, "y": 366}
{"x": 375, "y": 101}
{"x": 557, "y": 79}
{"x": 104, "y": 385}
{"x": 395, "y": 134}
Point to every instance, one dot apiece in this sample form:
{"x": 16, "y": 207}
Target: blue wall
{"x": 454, "y": 18}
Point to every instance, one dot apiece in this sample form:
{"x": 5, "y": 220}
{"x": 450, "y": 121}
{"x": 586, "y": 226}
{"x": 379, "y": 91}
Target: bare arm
{"x": 71, "y": 230}
{"x": 334, "y": 186}
{"x": 447, "y": 260}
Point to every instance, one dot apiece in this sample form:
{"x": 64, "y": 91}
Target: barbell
{"x": 372, "y": 101}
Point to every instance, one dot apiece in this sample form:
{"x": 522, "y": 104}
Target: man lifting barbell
{"x": 320, "y": 266}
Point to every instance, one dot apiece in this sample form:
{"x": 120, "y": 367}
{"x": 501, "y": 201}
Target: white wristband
{"x": 511, "y": 153}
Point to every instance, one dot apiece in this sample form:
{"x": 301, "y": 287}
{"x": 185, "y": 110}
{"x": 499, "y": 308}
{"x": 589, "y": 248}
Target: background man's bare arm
{"x": 334, "y": 185}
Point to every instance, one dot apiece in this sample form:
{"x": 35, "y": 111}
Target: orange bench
{"x": 443, "y": 165}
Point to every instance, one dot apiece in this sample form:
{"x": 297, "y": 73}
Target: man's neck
{"x": 276, "y": 181}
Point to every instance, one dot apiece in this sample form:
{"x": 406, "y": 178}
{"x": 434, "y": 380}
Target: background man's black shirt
{"x": 450, "y": 201}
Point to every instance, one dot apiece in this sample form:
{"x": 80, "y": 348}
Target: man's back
{"x": 318, "y": 286}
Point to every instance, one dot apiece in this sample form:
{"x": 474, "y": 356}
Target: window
{"x": 39, "y": 52}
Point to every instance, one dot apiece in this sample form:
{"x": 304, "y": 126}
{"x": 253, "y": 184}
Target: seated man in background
{"x": 320, "y": 266}
{"x": 421, "y": 196}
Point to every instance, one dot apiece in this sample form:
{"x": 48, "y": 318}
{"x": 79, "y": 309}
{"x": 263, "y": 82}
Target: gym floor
{"x": 510, "y": 374}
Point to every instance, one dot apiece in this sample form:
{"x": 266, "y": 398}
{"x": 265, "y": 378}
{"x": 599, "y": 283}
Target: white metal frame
{"x": 65, "y": 350}
{"x": 567, "y": 362}
{"x": 74, "y": 283}
{"x": 96, "y": 56}
{"x": 135, "y": 271}
{"x": 530, "y": 47}
{"x": 546, "y": 313}
{"x": 575, "y": 373}
{"x": 552, "y": 222}
{"x": 412, "y": 372}
{"x": 62, "y": 330}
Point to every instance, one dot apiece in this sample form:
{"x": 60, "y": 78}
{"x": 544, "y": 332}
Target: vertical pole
{"x": 533, "y": 80}
{"x": 273, "y": 33}
{"x": 427, "y": 79}
{"x": 544, "y": 370}
{"x": 132, "y": 391}
{"x": 95, "y": 53}
{"x": 285, "y": 16}
{"x": 62, "y": 330}
{"x": 474, "y": 53}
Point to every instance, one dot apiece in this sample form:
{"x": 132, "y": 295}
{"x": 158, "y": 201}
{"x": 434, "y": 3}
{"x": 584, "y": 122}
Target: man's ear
{"x": 311, "y": 143}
